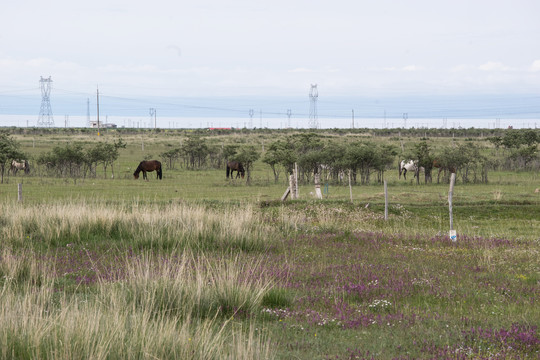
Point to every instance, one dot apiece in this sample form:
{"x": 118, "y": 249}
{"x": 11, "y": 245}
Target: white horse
{"x": 411, "y": 165}
{"x": 16, "y": 166}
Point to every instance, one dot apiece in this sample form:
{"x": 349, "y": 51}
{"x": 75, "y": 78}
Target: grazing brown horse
{"x": 439, "y": 165}
{"x": 150, "y": 165}
{"x": 235, "y": 166}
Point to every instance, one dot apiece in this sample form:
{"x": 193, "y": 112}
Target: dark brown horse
{"x": 150, "y": 165}
{"x": 235, "y": 166}
{"x": 437, "y": 164}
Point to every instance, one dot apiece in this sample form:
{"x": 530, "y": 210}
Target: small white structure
{"x": 94, "y": 124}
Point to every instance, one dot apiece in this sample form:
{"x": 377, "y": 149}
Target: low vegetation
{"x": 196, "y": 266}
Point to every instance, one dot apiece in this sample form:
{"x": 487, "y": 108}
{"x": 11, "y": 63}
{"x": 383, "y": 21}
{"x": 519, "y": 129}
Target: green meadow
{"x": 198, "y": 266}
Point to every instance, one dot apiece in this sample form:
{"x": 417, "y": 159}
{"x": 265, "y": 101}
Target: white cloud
{"x": 535, "y": 67}
{"x": 460, "y": 68}
{"x": 411, "y": 68}
{"x": 406, "y": 68}
{"x": 300, "y": 70}
{"x": 494, "y": 66}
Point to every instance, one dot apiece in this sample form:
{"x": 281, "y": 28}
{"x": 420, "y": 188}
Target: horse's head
{"x": 241, "y": 170}
{"x": 135, "y": 176}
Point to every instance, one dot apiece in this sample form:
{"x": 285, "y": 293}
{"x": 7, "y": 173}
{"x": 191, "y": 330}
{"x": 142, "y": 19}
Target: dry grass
{"x": 150, "y": 226}
{"x": 164, "y": 308}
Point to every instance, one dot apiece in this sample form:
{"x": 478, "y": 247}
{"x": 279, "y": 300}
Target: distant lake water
{"x": 169, "y": 122}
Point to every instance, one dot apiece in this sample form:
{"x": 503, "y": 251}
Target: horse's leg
{"x": 144, "y": 175}
{"x": 405, "y": 173}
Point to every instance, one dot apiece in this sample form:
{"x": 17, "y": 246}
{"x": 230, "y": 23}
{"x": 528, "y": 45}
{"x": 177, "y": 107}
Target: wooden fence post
{"x": 292, "y": 187}
{"x": 318, "y": 193}
{"x": 350, "y": 186}
{"x": 296, "y": 192}
{"x": 385, "y": 200}
{"x": 453, "y": 235}
{"x": 19, "y": 192}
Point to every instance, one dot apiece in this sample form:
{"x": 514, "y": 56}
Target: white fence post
{"x": 453, "y": 235}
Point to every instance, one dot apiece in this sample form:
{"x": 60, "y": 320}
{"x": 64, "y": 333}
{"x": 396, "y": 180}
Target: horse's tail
{"x": 159, "y": 172}
{"x": 228, "y": 171}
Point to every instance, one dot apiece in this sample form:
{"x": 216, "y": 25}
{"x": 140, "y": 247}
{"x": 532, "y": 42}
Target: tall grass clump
{"x": 190, "y": 287}
{"x": 166, "y": 308}
{"x": 167, "y": 227}
{"x": 19, "y": 268}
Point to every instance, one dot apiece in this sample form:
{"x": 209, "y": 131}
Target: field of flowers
{"x": 84, "y": 279}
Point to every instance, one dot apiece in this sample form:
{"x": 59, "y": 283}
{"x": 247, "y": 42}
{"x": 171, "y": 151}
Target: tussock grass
{"x": 163, "y": 308}
{"x": 166, "y": 227}
{"x": 189, "y": 287}
{"x": 20, "y": 268}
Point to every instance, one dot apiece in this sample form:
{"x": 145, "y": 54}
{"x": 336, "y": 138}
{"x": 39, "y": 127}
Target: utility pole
{"x": 97, "y": 96}
{"x": 88, "y": 112}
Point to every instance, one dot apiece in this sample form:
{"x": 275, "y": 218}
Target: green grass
{"x": 197, "y": 266}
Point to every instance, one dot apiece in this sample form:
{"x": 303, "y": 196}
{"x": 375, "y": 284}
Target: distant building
{"x": 94, "y": 124}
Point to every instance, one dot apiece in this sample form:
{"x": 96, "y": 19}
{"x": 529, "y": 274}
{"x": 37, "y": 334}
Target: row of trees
{"x": 521, "y": 147}
{"x": 467, "y": 160}
{"x": 365, "y": 160}
{"x": 331, "y": 157}
{"x": 310, "y": 151}
{"x": 195, "y": 153}
{"x": 73, "y": 159}
{"x": 78, "y": 160}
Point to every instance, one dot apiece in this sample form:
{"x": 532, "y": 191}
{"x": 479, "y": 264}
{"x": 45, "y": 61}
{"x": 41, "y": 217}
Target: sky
{"x": 250, "y": 48}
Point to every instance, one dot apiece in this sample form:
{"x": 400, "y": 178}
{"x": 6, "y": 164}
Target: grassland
{"x": 198, "y": 266}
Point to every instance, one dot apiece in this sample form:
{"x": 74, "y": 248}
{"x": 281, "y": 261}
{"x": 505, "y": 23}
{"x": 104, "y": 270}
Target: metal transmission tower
{"x": 313, "y": 117}
{"x": 251, "y": 113}
{"x": 153, "y": 116}
{"x": 289, "y": 113}
{"x": 45, "y": 113}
